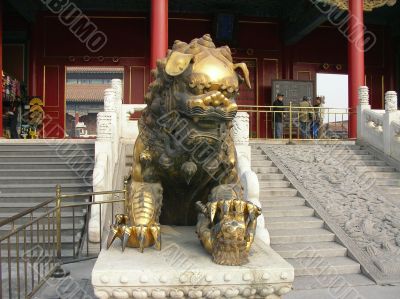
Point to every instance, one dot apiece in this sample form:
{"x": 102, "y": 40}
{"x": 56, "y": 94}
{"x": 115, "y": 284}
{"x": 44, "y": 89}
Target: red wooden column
{"x": 159, "y": 31}
{"x": 355, "y": 59}
{"x": 1, "y": 68}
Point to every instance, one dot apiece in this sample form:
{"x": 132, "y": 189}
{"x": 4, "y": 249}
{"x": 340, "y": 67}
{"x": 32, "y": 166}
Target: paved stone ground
{"x": 78, "y": 286}
{"x": 367, "y": 292}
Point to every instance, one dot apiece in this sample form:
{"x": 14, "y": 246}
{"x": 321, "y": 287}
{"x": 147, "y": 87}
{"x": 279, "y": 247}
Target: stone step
{"x": 20, "y": 205}
{"x": 4, "y": 166}
{"x": 33, "y": 198}
{"x": 48, "y": 180}
{"x": 282, "y": 201}
{"x": 38, "y": 238}
{"x": 287, "y": 236}
{"x": 266, "y": 169}
{"x": 259, "y": 158}
{"x": 67, "y": 228}
{"x": 315, "y": 249}
{"x": 330, "y": 281}
{"x": 270, "y": 176}
{"x": 275, "y": 184}
{"x": 341, "y": 151}
{"x": 367, "y": 163}
{"x": 38, "y": 188}
{"x": 324, "y": 265}
{"x": 391, "y": 190}
{"x": 387, "y": 182}
{"x": 271, "y": 191}
{"x": 257, "y": 152}
{"x": 345, "y": 147}
{"x": 260, "y": 163}
{"x": 47, "y": 158}
{"x": 384, "y": 175}
{"x": 288, "y": 212}
{"x": 64, "y": 214}
{"x": 294, "y": 222}
{"x": 40, "y": 147}
{"x": 352, "y": 157}
{"x": 64, "y": 153}
{"x": 375, "y": 168}
{"x": 29, "y": 172}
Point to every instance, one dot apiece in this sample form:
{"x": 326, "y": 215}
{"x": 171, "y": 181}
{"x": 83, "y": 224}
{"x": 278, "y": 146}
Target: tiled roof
{"x": 85, "y": 92}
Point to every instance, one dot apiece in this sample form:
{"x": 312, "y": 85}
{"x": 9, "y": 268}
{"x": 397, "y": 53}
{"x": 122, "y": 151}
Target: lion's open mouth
{"x": 212, "y": 105}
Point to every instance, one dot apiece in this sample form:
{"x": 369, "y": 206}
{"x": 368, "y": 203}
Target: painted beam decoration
{"x": 369, "y": 5}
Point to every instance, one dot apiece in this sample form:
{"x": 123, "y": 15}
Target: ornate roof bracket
{"x": 369, "y": 5}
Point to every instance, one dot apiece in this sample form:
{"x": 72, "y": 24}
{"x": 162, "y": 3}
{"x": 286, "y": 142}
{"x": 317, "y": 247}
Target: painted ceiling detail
{"x": 369, "y": 5}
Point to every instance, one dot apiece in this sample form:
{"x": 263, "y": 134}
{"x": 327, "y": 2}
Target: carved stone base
{"x": 182, "y": 269}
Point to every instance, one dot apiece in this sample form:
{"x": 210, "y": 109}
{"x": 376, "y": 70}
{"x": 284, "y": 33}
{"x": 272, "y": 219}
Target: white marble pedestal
{"x": 182, "y": 269}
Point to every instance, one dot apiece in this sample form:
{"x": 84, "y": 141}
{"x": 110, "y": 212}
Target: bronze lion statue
{"x": 184, "y": 156}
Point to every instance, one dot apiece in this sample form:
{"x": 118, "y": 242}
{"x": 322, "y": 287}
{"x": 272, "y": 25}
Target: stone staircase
{"x": 300, "y": 236}
{"x": 384, "y": 177}
{"x": 29, "y": 173}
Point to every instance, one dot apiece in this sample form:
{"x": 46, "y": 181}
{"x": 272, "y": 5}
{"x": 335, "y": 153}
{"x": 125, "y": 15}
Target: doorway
{"x": 84, "y": 97}
{"x": 333, "y": 88}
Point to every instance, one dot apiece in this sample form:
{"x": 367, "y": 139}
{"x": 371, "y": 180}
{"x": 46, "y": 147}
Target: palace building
{"x": 278, "y": 40}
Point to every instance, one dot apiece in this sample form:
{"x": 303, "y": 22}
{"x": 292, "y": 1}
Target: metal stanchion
{"x": 59, "y": 271}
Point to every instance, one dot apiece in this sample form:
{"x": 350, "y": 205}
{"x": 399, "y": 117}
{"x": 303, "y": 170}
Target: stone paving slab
{"x": 363, "y": 292}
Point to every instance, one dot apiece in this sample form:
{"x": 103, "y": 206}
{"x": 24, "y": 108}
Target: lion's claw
{"x": 139, "y": 236}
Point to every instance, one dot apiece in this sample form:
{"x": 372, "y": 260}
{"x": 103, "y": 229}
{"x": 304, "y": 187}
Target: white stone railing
{"x": 373, "y": 132}
{"x": 115, "y": 131}
{"x": 395, "y": 135}
{"x": 249, "y": 179}
{"x": 379, "y": 128}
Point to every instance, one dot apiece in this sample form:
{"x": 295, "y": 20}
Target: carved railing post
{"x": 116, "y": 85}
{"x": 104, "y": 132}
{"x": 240, "y": 130}
{"x": 110, "y": 106}
{"x": 105, "y": 157}
{"x": 363, "y": 104}
{"x": 390, "y": 101}
{"x": 391, "y": 115}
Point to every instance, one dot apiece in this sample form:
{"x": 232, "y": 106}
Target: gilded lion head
{"x": 198, "y": 80}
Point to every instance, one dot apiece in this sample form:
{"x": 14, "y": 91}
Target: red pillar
{"x": 159, "y": 31}
{"x": 355, "y": 59}
{"x": 1, "y": 68}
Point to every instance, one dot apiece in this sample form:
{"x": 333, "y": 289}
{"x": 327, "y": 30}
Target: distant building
{"x": 84, "y": 94}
